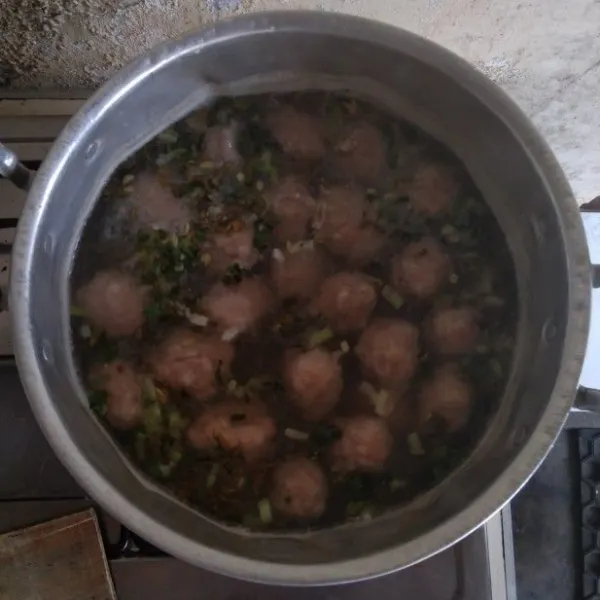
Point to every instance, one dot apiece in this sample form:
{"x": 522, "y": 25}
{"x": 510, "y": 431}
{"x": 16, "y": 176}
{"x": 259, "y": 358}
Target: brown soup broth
{"x": 168, "y": 243}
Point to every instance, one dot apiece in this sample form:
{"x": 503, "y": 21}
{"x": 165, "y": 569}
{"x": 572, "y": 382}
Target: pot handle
{"x": 587, "y": 398}
{"x": 14, "y": 170}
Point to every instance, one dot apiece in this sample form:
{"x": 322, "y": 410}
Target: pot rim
{"x": 478, "y": 511}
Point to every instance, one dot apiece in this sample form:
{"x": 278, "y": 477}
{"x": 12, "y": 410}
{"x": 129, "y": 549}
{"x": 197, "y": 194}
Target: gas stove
{"x": 35, "y": 487}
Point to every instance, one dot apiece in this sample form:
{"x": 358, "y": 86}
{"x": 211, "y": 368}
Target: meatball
{"x": 446, "y": 395}
{"x": 299, "y": 489}
{"x": 232, "y": 247}
{"x": 155, "y": 206}
{"x": 421, "y": 269}
{"x": 433, "y": 189}
{"x": 220, "y": 145}
{"x": 297, "y": 133}
{"x": 294, "y": 207}
{"x": 297, "y": 274}
{"x": 365, "y": 445}
{"x": 237, "y": 426}
{"x": 452, "y": 331}
{"x": 236, "y": 308}
{"x": 346, "y": 300}
{"x": 123, "y": 393}
{"x": 361, "y": 154}
{"x": 189, "y": 361}
{"x": 114, "y": 302}
{"x": 388, "y": 350}
{"x": 340, "y": 209}
{"x": 314, "y": 382}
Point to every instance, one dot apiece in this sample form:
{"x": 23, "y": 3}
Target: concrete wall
{"x": 545, "y": 53}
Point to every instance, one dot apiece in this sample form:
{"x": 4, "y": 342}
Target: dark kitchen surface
{"x": 545, "y": 516}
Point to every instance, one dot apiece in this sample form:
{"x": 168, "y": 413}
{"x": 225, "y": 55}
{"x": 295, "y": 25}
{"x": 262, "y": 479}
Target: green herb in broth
{"x": 240, "y": 381}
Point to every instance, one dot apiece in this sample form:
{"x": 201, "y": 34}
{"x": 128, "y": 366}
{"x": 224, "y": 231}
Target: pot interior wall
{"x": 428, "y": 96}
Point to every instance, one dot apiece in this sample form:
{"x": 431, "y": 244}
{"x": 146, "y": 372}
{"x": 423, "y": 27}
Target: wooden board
{"x": 62, "y": 559}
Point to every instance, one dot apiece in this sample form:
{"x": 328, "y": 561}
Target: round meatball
{"x": 360, "y": 154}
{"x": 433, "y": 189}
{"x": 446, "y": 395}
{"x": 421, "y": 269}
{"x": 296, "y": 132}
{"x": 114, "y": 302}
{"x": 346, "y": 300}
{"x": 297, "y": 274}
{"x": 299, "y": 489}
{"x": 189, "y": 361}
{"x": 237, "y": 426}
{"x": 314, "y": 382}
{"x": 220, "y": 145}
{"x": 236, "y": 308}
{"x": 340, "y": 209}
{"x": 294, "y": 207}
{"x": 452, "y": 331}
{"x": 388, "y": 350}
{"x": 155, "y": 206}
{"x": 232, "y": 247}
{"x": 123, "y": 393}
{"x": 365, "y": 445}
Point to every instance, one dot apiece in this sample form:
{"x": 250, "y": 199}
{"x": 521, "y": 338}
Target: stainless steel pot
{"x": 442, "y": 94}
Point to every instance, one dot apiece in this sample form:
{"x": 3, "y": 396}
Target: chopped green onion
{"x": 265, "y": 512}
{"x": 295, "y": 434}
{"x": 165, "y": 159}
{"x": 97, "y": 401}
{"x": 149, "y": 389}
{"x": 496, "y": 367}
{"x": 382, "y": 401}
{"x": 129, "y": 178}
{"x": 319, "y": 337}
{"x": 212, "y": 476}
{"x": 493, "y": 301}
{"x": 77, "y": 311}
{"x": 196, "y": 319}
{"x": 451, "y": 234}
{"x": 168, "y": 136}
{"x": 176, "y": 424}
{"x": 345, "y": 347}
{"x": 359, "y": 509}
{"x": 397, "y": 484}
{"x": 278, "y": 255}
{"x": 230, "y": 334}
{"x": 152, "y": 419}
{"x": 85, "y": 331}
{"x": 415, "y": 447}
{"x": 392, "y": 296}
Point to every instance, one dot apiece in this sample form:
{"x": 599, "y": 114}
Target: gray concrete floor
{"x": 545, "y": 53}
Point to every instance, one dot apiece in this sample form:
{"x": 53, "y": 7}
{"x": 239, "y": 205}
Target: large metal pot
{"x": 442, "y": 94}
